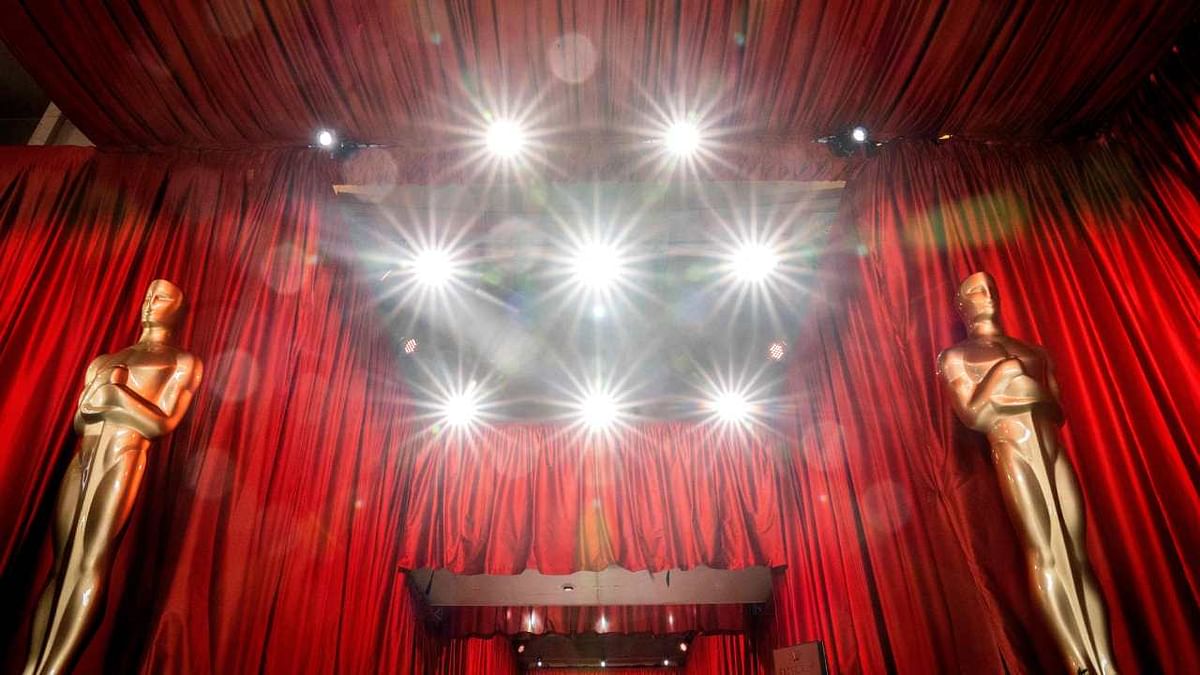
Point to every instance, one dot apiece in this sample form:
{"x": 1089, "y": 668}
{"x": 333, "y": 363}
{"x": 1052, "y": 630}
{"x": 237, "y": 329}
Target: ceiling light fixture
{"x": 777, "y": 350}
{"x": 597, "y": 266}
{"x": 598, "y": 411}
{"x": 731, "y": 407}
{"x": 682, "y": 138}
{"x": 753, "y": 262}
{"x": 461, "y": 409}
{"x": 505, "y": 138}
{"x": 433, "y": 267}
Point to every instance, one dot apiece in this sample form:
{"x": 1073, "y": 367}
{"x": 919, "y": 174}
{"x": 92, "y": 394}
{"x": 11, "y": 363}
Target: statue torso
{"x": 979, "y": 355}
{"x": 151, "y": 367}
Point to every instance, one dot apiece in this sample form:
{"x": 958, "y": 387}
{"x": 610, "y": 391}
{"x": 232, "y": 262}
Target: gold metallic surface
{"x": 129, "y": 398}
{"x": 1005, "y": 388}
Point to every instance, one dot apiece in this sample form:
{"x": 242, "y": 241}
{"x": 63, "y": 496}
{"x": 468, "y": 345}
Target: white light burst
{"x": 731, "y": 407}
{"x": 682, "y": 138}
{"x": 461, "y": 409}
{"x": 597, "y": 266}
{"x": 754, "y": 262}
{"x": 505, "y": 138}
{"x": 434, "y": 267}
{"x": 599, "y": 410}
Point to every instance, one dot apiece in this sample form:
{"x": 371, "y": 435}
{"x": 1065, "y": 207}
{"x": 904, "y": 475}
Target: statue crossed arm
{"x": 1005, "y": 388}
{"x": 129, "y": 398}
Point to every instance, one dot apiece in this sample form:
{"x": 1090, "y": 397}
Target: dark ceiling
{"x": 272, "y": 72}
{"x": 22, "y": 102}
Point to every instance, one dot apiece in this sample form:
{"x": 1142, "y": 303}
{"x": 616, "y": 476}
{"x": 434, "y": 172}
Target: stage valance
{"x": 546, "y": 497}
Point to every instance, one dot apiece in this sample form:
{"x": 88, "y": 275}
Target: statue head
{"x": 976, "y": 299}
{"x": 163, "y": 306}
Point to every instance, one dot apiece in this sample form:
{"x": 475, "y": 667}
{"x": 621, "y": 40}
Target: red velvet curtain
{"x": 656, "y": 619}
{"x": 475, "y": 656}
{"x": 264, "y": 536}
{"x": 657, "y": 497}
{"x": 722, "y": 655}
{"x": 235, "y": 73}
{"x": 902, "y": 558}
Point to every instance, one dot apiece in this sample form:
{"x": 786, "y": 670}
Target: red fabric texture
{"x": 265, "y": 540}
{"x": 656, "y": 497}
{"x": 902, "y": 557}
{"x": 475, "y": 656}
{"x": 267, "y": 521}
{"x": 655, "y": 619}
{"x": 223, "y": 74}
{"x": 722, "y": 655}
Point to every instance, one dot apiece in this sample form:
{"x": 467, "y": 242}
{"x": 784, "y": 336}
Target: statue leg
{"x": 108, "y": 498}
{"x": 64, "y": 517}
{"x": 1028, "y": 496}
{"x": 1073, "y": 517}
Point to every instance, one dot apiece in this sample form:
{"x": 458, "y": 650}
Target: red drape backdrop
{"x": 902, "y": 558}
{"x": 254, "y": 540}
{"x": 268, "y": 520}
{"x": 475, "y": 656}
{"x": 234, "y": 73}
{"x": 722, "y": 655}
{"x": 544, "y": 497}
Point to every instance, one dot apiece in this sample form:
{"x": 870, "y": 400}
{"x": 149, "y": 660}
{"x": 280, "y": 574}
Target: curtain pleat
{"x": 267, "y": 521}
{"x": 901, "y": 554}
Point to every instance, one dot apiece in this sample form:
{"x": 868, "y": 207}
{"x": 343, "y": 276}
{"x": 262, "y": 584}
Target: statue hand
{"x": 1010, "y": 367}
{"x": 119, "y": 374}
{"x": 102, "y": 399}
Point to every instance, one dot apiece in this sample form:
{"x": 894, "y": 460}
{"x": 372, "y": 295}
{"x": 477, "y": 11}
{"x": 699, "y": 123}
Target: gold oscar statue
{"x": 1005, "y": 388}
{"x": 129, "y": 398}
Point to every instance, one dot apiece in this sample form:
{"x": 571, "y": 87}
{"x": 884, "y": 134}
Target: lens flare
{"x": 682, "y": 138}
{"x": 505, "y": 138}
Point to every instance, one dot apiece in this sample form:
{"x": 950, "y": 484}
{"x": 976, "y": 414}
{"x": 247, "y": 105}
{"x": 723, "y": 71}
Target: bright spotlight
{"x": 776, "y": 350}
{"x": 539, "y": 663}
{"x": 505, "y": 138}
{"x": 597, "y": 266}
{"x": 433, "y": 267}
{"x": 521, "y": 649}
{"x": 682, "y": 138}
{"x": 461, "y": 409}
{"x": 666, "y": 662}
{"x": 603, "y": 663}
{"x": 598, "y": 411}
{"x": 731, "y": 407}
{"x": 754, "y": 262}
{"x": 859, "y": 134}
{"x": 683, "y": 646}
{"x": 325, "y": 138}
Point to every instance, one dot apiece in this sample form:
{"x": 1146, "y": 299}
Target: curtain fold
{"x": 475, "y": 656}
{"x": 722, "y": 655}
{"x": 241, "y": 73}
{"x": 263, "y": 537}
{"x": 544, "y": 497}
{"x": 901, "y": 557}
